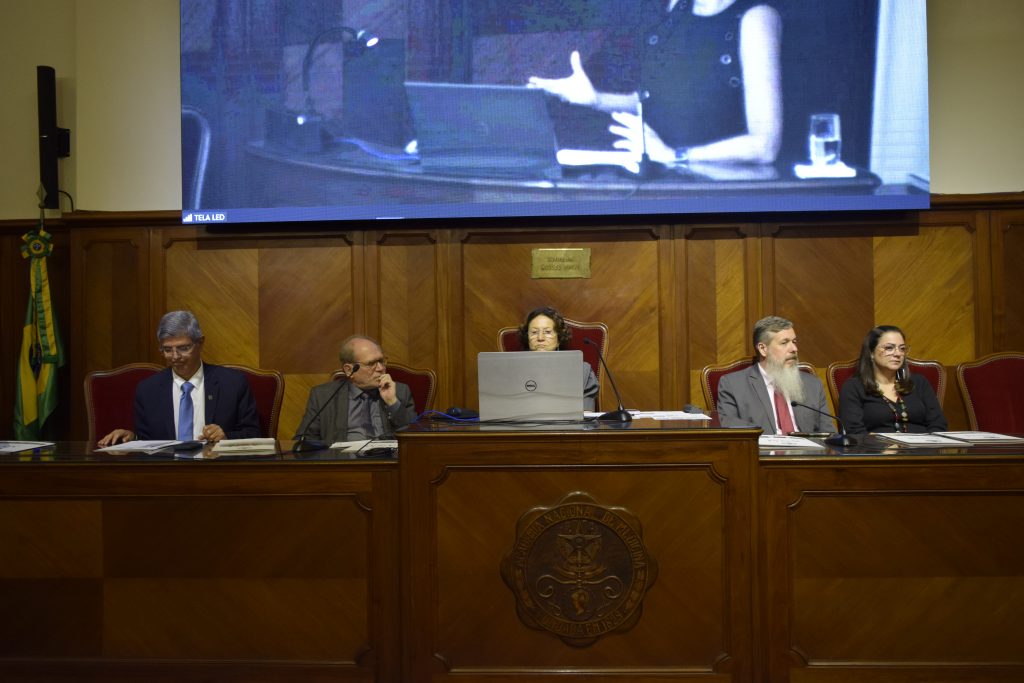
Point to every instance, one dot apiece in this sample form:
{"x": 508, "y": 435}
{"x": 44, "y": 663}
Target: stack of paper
{"x": 982, "y": 437}
{"x": 836, "y": 170}
{"x": 922, "y": 439}
{"x": 141, "y": 446}
{"x": 19, "y": 446}
{"x": 777, "y": 441}
{"x": 245, "y": 447}
{"x": 363, "y": 445}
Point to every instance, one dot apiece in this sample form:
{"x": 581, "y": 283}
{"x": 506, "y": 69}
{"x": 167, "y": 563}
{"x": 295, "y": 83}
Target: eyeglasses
{"x": 541, "y": 333}
{"x": 382, "y": 362}
{"x": 181, "y": 350}
{"x": 891, "y": 349}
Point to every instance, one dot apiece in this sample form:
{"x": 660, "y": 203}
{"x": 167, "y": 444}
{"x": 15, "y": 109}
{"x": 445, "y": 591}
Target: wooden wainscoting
{"x": 675, "y": 297}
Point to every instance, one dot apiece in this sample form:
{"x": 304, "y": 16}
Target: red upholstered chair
{"x": 991, "y": 387}
{"x": 931, "y": 370}
{"x": 267, "y": 387}
{"x": 508, "y": 340}
{"x": 110, "y": 397}
{"x": 422, "y": 383}
{"x": 711, "y": 374}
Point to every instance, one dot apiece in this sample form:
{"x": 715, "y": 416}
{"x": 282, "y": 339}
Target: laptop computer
{"x": 473, "y": 129}
{"x": 530, "y": 385}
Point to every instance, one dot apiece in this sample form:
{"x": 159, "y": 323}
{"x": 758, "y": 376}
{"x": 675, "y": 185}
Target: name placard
{"x": 561, "y": 263}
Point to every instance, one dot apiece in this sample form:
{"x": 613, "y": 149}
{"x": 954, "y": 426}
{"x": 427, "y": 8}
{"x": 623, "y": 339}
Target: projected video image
{"x": 427, "y": 109}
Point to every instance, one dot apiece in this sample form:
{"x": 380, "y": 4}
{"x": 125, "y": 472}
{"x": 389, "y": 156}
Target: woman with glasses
{"x": 883, "y": 396}
{"x": 545, "y": 330}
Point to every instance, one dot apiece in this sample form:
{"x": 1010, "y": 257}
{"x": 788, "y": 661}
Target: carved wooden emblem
{"x": 579, "y": 570}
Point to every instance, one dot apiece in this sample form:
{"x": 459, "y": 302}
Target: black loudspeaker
{"x": 54, "y": 142}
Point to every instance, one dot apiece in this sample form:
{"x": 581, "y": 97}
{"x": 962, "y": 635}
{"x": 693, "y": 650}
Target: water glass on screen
{"x": 825, "y": 139}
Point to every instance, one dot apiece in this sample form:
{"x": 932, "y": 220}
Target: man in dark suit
{"x": 760, "y": 395}
{"x": 190, "y": 400}
{"x": 369, "y": 405}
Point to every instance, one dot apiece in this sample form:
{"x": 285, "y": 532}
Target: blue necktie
{"x": 185, "y": 414}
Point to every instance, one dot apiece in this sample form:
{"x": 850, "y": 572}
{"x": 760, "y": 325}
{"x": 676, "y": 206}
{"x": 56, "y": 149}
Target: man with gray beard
{"x": 761, "y": 395}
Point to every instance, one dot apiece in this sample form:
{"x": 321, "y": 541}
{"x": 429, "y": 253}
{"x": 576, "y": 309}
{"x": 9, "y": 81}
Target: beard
{"x": 787, "y": 379}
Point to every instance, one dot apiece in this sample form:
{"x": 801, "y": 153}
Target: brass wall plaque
{"x": 560, "y": 263}
{"x": 579, "y": 570}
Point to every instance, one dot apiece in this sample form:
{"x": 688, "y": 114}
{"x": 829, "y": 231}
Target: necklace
{"x": 899, "y": 412}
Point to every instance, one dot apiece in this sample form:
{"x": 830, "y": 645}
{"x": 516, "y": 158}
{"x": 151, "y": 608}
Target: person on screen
{"x": 762, "y": 394}
{"x": 710, "y": 78}
{"x": 545, "y": 330}
{"x": 189, "y": 400}
{"x": 372, "y": 405}
{"x": 882, "y": 395}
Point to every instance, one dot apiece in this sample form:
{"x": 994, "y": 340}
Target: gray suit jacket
{"x": 331, "y": 425}
{"x": 743, "y": 400}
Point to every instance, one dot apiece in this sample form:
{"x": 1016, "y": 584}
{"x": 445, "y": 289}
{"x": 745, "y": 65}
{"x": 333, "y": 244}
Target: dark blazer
{"x": 743, "y": 400}
{"x": 863, "y": 413}
{"x": 331, "y": 425}
{"x": 229, "y": 404}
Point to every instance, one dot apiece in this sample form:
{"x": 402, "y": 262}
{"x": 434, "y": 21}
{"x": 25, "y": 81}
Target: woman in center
{"x": 545, "y": 330}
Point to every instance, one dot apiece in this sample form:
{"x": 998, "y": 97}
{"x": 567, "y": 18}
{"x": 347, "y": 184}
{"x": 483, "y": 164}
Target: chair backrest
{"x": 508, "y": 340}
{"x": 933, "y": 371}
{"x": 836, "y": 375}
{"x": 421, "y": 381}
{"x": 991, "y": 387}
{"x": 110, "y": 397}
{"x": 710, "y": 375}
{"x": 267, "y": 387}
{"x": 195, "y": 145}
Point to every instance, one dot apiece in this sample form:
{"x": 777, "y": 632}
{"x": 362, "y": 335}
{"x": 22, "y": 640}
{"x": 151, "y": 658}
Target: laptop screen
{"x": 469, "y": 128}
{"x": 531, "y": 385}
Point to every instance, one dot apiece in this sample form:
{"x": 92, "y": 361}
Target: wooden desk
{"x": 148, "y": 569}
{"x": 895, "y": 567}
{"x": 358, "y": 186}
{"x": 793, "y": 567}
{"x": 681, "y": 490}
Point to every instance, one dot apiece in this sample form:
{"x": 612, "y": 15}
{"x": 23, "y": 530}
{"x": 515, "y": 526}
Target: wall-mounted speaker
{"x": 54, "y": 142}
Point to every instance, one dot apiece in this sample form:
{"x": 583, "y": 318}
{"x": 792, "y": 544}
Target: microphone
{"x": 304, "y": 444}
{"x": 648, "y": 168}
{"x": 840, "y": 439}
{"x": 620, "y": 415}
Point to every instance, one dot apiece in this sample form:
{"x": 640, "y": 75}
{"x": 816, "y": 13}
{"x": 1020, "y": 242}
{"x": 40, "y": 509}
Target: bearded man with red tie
{"x": 762, "y": 394}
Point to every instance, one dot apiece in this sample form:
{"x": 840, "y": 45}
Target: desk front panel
{"x": 909, "y": 568}
{"x": 171, "y": 571}
{"x": 473, "y": 502}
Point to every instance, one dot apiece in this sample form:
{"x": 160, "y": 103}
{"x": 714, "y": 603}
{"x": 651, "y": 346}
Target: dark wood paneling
{"x": 893, "y": 571}
{"x": 463, "y": 495}
{"x": 410, "y": 298}
{"x": 305, "y": 300}
{"x": 823, "y": 281}
{"x": 256, "y": 570}
{"x": 498, "y": 291}
{"x": 1008, "y": 280}
{"x": 675, "y": 297}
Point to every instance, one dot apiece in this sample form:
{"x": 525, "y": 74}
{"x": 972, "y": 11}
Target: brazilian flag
{"x": 41, "y": 350}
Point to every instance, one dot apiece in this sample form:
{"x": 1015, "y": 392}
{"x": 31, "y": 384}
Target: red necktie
{"x": 782, "y": 410}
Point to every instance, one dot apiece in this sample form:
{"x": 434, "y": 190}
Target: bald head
{"x": 372, "y": 364}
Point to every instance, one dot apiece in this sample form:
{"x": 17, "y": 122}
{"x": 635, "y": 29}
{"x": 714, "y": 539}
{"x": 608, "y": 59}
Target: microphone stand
{"x": 305, "y": 444}
{"x": 648, "y": 169}
{"x": 842, "y": 438}
{"x": 621, "y": 415}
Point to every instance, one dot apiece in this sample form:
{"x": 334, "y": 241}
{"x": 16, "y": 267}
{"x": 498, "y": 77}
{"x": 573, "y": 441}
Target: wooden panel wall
{"x": 676, "y": 297}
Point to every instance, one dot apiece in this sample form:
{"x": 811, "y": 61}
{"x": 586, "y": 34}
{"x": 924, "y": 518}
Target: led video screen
{"x": 296, "y": 110}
